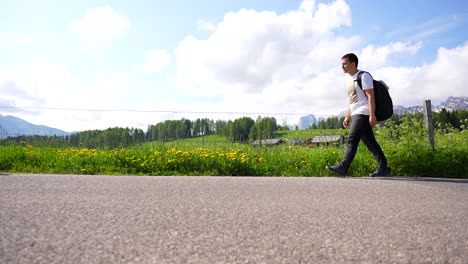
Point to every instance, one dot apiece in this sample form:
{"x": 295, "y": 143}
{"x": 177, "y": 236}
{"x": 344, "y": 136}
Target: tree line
{"x": 240, "y": 130}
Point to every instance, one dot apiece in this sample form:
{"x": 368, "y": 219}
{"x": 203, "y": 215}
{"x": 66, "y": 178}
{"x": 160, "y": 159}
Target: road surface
{"x": 134, "y": 219}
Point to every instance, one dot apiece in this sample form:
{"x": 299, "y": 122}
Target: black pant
{"x": 361, "y": 129}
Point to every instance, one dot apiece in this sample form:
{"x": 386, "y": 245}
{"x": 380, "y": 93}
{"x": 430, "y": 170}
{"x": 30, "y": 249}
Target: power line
{"x": 158, "y": 111}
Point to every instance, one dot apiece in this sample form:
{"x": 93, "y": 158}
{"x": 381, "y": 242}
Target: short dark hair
{"x": 351, "y": 58}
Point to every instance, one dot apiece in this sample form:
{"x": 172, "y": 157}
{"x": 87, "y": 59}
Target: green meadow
{"x": 406, "y": 147}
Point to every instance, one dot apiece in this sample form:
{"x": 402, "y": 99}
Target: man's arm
{"x": 371, "y": 105}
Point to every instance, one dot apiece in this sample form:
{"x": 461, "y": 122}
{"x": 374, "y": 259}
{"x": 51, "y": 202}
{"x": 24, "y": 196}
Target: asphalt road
{"x": 108, "y": 219}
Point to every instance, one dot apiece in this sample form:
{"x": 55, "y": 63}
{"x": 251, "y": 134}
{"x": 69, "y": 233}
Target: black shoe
{"x": 381, "y": 172}
{"x": 338, "y": 169}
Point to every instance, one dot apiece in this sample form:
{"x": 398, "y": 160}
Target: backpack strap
{"x": 359, "y": 78}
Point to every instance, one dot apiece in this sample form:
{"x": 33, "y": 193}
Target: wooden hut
{"x": 268, "y": 142}
{"x": 328, "y": 139}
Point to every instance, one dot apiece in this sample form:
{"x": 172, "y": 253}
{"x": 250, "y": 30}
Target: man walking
{"x": 361, "y": 111}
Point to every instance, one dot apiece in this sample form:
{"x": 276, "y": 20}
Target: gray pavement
{"x": 117, "y": 219}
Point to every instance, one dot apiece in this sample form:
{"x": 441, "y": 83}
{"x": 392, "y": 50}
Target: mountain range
{"x": 11, "y": 126}
{"x": 14, "y": 126}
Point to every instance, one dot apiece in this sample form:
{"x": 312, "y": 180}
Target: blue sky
{"x": 64, "y": 62}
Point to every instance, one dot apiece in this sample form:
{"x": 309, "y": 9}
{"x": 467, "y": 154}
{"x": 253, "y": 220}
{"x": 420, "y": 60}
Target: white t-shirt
{"x": 357, "y": 97}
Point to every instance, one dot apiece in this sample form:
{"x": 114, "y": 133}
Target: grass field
{"x": 406, "y": 149}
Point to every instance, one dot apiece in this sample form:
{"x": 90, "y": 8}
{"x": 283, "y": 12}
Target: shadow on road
{"x": 446, "y": 180}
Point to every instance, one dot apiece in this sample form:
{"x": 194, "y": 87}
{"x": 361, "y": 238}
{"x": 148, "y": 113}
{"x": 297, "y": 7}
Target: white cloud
{"x": 290, "y": 63}
{"x": 444, "y": 77}
{"x": 250, "y": 62}
{"x": 32, "y": 84}
{"x": 204, "y": 25}
{"x": 15, "y": 39}
{"x": 38, "y": 84}
{"x": 250, "y": 51}
{"x": 307, "y": 6}
{"x": 427, "y": 28}
{"x": 374, "y": 57}
{"x": 156, "y": 60}
{"x": 328, "y": 17}
{"x": 100, "y": 27}
{"x": 264, "y": 59}
{"x": 43, "y": 92}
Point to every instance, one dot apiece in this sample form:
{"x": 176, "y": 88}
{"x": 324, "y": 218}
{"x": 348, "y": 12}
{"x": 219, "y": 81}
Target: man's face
{"x": 347, "y": 66}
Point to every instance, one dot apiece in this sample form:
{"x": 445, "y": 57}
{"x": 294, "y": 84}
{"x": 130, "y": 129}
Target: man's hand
{"x": 346, "y": 122}
{"x": 372, "y": 120}
{"x": 347, "y": 117}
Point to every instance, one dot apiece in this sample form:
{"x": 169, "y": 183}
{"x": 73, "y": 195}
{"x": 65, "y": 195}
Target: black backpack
{"x": 383, "y": 101}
